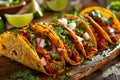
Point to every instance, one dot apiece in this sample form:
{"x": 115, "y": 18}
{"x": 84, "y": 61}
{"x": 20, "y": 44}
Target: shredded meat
{"x": 52, "y": 68}
{"x": 75, "y": 56}
{"x": 101, "y": 44}
{"x": 115, "y": 37}
{"x": 41, "y": 51}
{"x": 89, "y": 50}
{"x": 72, "y": 53}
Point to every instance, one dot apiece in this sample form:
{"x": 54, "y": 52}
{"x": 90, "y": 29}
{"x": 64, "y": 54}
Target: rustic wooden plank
{"x": 7, "y": 66}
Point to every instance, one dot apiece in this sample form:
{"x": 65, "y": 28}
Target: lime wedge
{"x": 19, "y": 20}
{"x": 35, "y": 8}
{"x": 57, "y": 5}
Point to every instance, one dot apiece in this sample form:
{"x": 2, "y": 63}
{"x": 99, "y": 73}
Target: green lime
{"x": 1, "y": 26}
{"x": 19, "y": 20}
{"x": 35, "y": 8}
{"x": 57, "y": 5}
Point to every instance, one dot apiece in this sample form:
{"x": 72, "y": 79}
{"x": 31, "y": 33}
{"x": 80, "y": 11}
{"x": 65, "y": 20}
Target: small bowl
{"x": 12, "y": 9}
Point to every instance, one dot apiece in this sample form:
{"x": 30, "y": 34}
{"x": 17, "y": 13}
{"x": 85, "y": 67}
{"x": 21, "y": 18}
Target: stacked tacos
{"x": 84, "y": 34}
{"x": 47, "y": 46}
{"x": 106, "y": 21}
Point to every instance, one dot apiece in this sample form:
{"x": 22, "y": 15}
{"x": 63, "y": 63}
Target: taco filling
{"x": 106, "y": 24}
{"x": 76, "y": 25}
{"x": 102, "y": 43}
{"x": 72, "y": 51}
{"x": 47, "y": 52}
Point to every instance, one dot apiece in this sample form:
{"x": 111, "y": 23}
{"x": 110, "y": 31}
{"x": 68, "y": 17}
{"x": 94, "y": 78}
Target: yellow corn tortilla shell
{"x": 106, "y": 13}
{"x": 83, "y": 24}
{"x": 55, "y": 39}
{"x": 19, "y": 49}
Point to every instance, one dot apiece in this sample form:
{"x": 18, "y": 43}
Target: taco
{"x": 35, "y": 46}
{"x": 83, "y": 33}
{"x": 102, "y": 40}
{"x": 106, "y": 20}
{"x": 73, "y": 46}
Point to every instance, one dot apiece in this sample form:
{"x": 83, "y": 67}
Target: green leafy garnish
{"x": 107, "y": 45}
{"x": 85, "y": 63}
{"x": 32, "y": 39}
{"x": 25, "y": 74}
{"x": 96, "y": 14}
{"x": 90, "y": 59}
{"x": 71, "y": 10}
{"x": 115, "y": 5}
{"x": 15, "y": 30}
{"x": 61, "y": 32}
{"x": 69, "y": 74}
{"x": 80, "y": 30}
{"x": 69, "y": 42}
{"x": 53, "y": 55}
{"x": 54, "y": 19}
{"x": 61, "y": 76}
{"x": 89, "y": 39}
{"x": 57, "y": 66}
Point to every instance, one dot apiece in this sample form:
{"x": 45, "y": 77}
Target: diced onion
{"x": 43, "y": 61}
{"x": 111, "y": 30}
{"x": 63, "y": 21}
{"x": 38, "y": 41}
{"x": 59, "y": 49}
{"x": 42, "y": 43}
{"x": 86, "y": 36}
{"x": 72, "y": 25}
{"x": 80, "y": 38}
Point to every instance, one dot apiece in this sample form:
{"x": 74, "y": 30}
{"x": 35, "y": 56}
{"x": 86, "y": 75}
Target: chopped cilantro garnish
{"x": 15, "y": 30}
{"x": 69, "y": 74}
{"x": 54, "y": 19}
{"x": 61, "y": 76}
{"x": 53, "y": 55}
{"x": 69, "y": 42}
{"x": 84, "y": 63}
{"x": 107, "y": 45}
{"x": 96, "y": 14}
{"x": 71, "y": 10}
{"x": 61, "y": 32}
{"x": 89, "y": 39}
{"x": 25, "y": 74}
{"x": 32, "y": 39}
{"x": 31, "y": 46}
{"x": 80, "y": 30}
{"x": 90, "y": 59}
{"x": 57, "y": 66}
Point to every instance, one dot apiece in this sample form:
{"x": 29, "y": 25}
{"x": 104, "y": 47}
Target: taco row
{"x": 47, "y": 47}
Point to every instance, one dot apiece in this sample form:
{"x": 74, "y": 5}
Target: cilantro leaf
{"x": 25, "y": 74}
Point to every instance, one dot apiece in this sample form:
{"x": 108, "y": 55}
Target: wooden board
{"x": 8, "y": 66}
